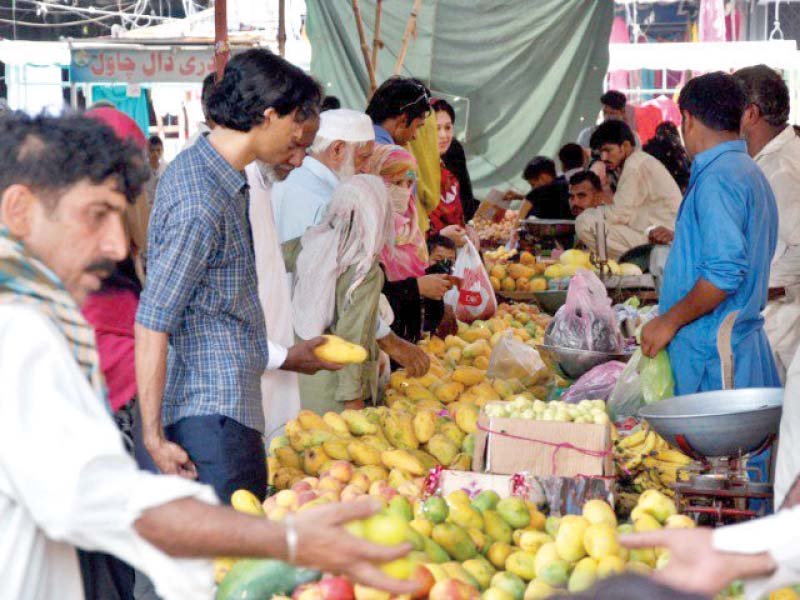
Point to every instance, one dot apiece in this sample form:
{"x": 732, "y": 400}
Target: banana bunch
{"x": 649, "y": 461}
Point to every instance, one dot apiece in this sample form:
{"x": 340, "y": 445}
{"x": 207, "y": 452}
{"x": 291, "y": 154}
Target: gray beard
{"x": 270, "y": 173}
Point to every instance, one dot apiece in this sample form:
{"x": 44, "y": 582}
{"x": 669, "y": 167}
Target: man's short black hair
{"x": 765, "y": 88}
{"x": 399, "y": 96}
{"x": 330, "y": 103}
{"x": 614, "y": 132}
{"x": 256, "y": 80}
{"x": 571, "y": 157}
{"x": 539, "y": 165}
{"x": 209, "y": 82}
{"x": 436, "y": 241}
{"x": 589, "y": 176}
{"x": 614, "y": 99}
{"x": 715, "y": 99}
{"x": 442, "y": 105}
{"x": 154, "y": 140}
{"x": 51, "y": 154}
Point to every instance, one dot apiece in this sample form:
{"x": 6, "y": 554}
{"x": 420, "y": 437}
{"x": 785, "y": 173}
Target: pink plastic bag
{"x": 586, "y": 321}
{"x": 475, "y": 298}
{"x": 596, "y": 384}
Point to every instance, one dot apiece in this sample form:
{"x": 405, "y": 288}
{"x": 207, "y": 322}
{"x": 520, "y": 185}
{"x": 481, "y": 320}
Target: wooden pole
{"x": 364, "y": 47}
{"x": 377, "y": 43}
{"x": 411, "y": 28}
{"x": 221, "y": 47}
{"x": 282, "y": 27}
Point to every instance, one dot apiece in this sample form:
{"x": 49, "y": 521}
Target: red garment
{"x": 449, "y": 210}
{"x": 124, "y": 127}
{"x": 112, "y": 315}
{"x": 648, "y": 118}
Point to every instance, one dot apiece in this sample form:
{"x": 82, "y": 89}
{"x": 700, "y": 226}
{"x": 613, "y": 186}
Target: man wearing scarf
{"x": 66, "y": 481}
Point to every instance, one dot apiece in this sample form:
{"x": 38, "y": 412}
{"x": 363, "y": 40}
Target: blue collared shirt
{"x": 725, "y": 233}
{"x": 201, "y": 290}
{"x": 382, "y": 137}
{"x": 300, "y": 200}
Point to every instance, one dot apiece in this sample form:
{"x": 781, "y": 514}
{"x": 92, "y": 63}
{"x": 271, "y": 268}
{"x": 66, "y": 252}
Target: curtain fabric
{"x": 525, "y": 77}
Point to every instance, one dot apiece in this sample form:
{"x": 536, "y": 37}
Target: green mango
{"x": 486, "y": 500}
{"x": 456, "y": 542}
{"x": 514, "y": 512}
{"x": 435, "y": 510}
{"x": 496, "y": 528}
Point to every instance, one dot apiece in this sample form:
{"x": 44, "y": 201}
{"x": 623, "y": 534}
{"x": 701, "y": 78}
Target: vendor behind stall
{"x": 724, "y": 242}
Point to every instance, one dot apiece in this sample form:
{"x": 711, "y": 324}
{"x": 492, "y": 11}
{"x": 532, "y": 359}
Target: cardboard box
{"x": 543, "y": 448}
{"x": 555, "y": 495}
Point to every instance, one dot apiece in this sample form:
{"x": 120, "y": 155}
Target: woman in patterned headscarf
{"x": 404, "y": 262}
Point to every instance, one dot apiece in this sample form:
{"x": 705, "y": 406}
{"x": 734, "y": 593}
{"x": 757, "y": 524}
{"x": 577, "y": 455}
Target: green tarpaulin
{"x": 525, "y": 76}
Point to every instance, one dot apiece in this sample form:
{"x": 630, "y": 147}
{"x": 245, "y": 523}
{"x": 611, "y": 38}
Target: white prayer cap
{"x": 346, "y": 125}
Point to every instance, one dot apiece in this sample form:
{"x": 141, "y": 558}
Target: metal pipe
{"x": 221, "y": 47}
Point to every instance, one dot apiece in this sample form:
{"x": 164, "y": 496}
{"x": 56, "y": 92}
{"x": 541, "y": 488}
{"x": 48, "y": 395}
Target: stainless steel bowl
{"x": 551, "y": 300}
{"x": 728, "y": 423}
{"x": 571, "y": 363}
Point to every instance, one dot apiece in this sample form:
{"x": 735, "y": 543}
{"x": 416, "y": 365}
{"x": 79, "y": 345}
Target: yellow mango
{"x": 453, "y": 341}
{"x": 285, "y": 477}
{"x": 546, "y": 555}
{"x": 442, "y": 449}
{"x": 583, "y": 576}
{"x": 646, "y": 522}
{"x": 536, "y": 590}
{"x": 424, "y": 423}
{"x": 288, "y": 457}
{"x": 477, "y": 348}
{"x": 600, "y": 540}
{"x": 498, "y": 553}
{"x": 481, "y": 362}
{"x": 532, "y": 539}
{"x": 453, "y": 355}
{"x": 314, "y": 459}
{"x": 422, "y": 526}
{"x": 336, "y": 423}
{"x": 520, "y": 271}
{"x": 481, "y": 570}
{"x": 244, "y": 501}
{"x": 416, "y": 392}
{"x": 496, "y": 527}
{"x": 427, "y": 460}
{"x": 455, "y": 571}
{"x": 468, "y": 375}
{"x": 522, "y": 564}
{"x": 403, "y": 460}
{"x": 449, "y": 392}
{"x": 482, "y": 541}
{"x": 610, "y": 565}
{"x": 462, "y": 462}
{"x": 467, "y": 419}
{"x": 436, "y": 345}
{"x": 358, "y": 423}
{"x": 339, "y": 351}
{"x": 278, "y": 442}
{"x": 475, "y": 333}
{"x": 599, "y": 511}
{"x": 433, "y": 405}
{"x": 337, "y": 449}
{"x": 310, "y": 420}
{"x": 363, "y": 454}
{"x": 451, "y": 431}
{"x": 398, "y": 426}
{"x": 465, "y": 516}
{"x": 569, "y": 539}
{"x": 398, "y": 380}
{"x": 455, "y": 541}
{"x": 373, "y": 472}
{"x": 646, "y": 556}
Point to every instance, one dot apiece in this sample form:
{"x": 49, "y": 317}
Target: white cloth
{"x": 299, "y": 202}
{"x": 280, "y": 390}
{"x": 66, "y": 480}
{"x": 356, "y": 227}
{"x": 779, "y": 535}
{"x": 787, "y": 464}
{"x": 780, "y": 161}
{"x": 346, "y": 125}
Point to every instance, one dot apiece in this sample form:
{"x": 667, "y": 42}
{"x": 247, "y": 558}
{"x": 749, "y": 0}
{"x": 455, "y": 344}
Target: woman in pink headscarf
{"x": 406, "y": 259}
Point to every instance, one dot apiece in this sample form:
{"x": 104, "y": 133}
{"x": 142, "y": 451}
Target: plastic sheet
{"x": 596, "y": 384}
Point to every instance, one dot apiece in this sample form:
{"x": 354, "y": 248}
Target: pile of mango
{"x": 527, "y": 275}
{"x": 507, "y": 549}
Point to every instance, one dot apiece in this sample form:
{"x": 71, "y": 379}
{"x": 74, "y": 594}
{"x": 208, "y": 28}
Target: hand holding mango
{"x": 339, "y": 351}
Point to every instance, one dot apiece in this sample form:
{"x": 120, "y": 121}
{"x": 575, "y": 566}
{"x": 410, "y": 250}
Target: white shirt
{"x": 65, "y": 479}
{"x": 779, "y": 535}
{"x": 646, "y": 196}
{"x": 300, "y": 200}
{"x": 780, "y": 161}
{"x": 280, "y": 391}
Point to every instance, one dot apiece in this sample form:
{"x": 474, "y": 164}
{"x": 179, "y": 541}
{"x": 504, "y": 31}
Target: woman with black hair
{"x": 450, "y": 211}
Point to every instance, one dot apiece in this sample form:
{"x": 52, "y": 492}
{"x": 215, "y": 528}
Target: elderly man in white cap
{"x": 343, "y": 145}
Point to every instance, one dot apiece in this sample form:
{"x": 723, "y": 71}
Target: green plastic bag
{"x": 656, "y": 376}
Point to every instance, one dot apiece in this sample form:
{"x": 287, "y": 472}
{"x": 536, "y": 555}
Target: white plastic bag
{"x": 474, "y": 299}
{"x": 512, "y": 359}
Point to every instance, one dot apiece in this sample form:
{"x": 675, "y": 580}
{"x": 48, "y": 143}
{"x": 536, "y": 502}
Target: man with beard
{"x": 341, "y": 148}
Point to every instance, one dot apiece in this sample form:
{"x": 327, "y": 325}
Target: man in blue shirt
{"x": 201, "y": 343}
{"x": 724, "y": 242}
{"x": 398, "y": 108}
